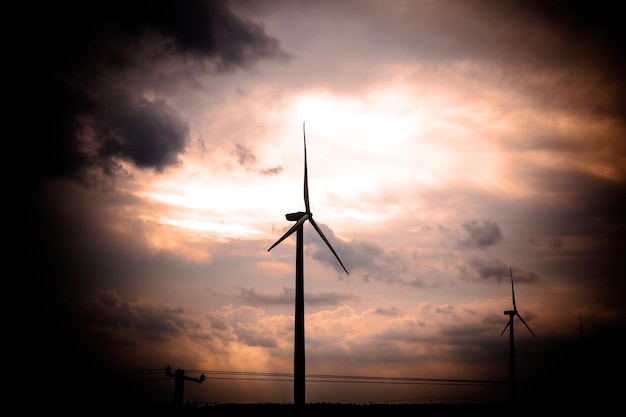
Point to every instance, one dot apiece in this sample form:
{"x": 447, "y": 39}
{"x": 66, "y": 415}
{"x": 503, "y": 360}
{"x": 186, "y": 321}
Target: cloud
{"x": 101, "y": 69}
{"x": 249, "y": 295}
{"x": 494, "y": 270}
{"x": 114, "y": 330}
{"x": 150, "y": 134}
{"x": 368, "y": 258}
{"x": 481, "y": 234}
{"x": 144, "y": 317}
{"x": 244, "y": 155}
{"x": 271, "y": 171}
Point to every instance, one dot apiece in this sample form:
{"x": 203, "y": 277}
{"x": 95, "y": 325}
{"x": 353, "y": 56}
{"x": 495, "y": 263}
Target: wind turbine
{"x": 300, "y": 217}
{"x": 509, "y": 325}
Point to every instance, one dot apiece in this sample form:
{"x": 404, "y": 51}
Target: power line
{"x": 326, "y": 378}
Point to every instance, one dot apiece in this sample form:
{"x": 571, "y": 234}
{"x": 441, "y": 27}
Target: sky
{"x": 450, "y": 146}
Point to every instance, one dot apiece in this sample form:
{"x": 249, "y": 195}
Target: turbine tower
{"x": 300, "y": 217}
{"x": 509, "y": 325}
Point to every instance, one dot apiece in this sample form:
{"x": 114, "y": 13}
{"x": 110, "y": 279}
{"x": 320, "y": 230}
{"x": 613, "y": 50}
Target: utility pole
{"x": 179, "y": 383}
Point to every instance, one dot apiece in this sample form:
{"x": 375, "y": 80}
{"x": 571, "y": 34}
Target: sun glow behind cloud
{"x": 383, "y": 129}
{"x": 224, "y": 211}
{"x": 415, "y": 141}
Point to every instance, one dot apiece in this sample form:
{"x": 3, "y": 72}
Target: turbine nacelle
{"x": 294, "y": 217}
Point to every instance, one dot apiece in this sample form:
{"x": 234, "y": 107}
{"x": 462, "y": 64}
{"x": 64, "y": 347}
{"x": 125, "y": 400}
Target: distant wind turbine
{"x": 580, "y": 322}
{"x": 509, "y": 325}
{"x": 300, "y": 217}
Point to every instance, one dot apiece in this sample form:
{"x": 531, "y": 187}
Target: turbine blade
{"x": 319, "y": 231}
{"x": 520, "y": 317}
{"x": 293, "y": 228}
{"x": 512, "y": 289}
{"x": 306, "y": 179}
{"x": 505, "y": 327}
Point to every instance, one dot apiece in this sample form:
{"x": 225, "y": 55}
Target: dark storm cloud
{"x": 482, "y": 234}
{"x": 96, "y": 77}
{"x": 150, "y": 320}
{"x": 470, "y": 330}
{"x": 94, "y": 62}
{"x": 573, "y": 217}
{"x": 149, "y": 133}
{"x": 576, "y": 38}
{"x": 566, "y": 55}
{"x": 493, "y": 270}
{"x": 592, "y": 30}
{"x": 578, "y": 43}
{"x": 108, "y": 323}
{"x": 368, "y": 257}
{"x": 253, "y": 337}
{"x": 574, "y": 203}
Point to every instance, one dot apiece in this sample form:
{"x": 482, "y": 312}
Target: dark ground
{"x": 277, "y": 410}
{"x": 328, "y": 409}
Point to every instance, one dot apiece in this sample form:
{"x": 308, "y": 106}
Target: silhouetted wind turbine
{"x": 580, "y": 322}
{"x": 300, "y": 217}
{"x": 512, "y": 314}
